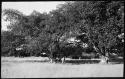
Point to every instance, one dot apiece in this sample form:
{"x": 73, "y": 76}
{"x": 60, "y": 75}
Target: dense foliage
{"x": 101, "y": 21}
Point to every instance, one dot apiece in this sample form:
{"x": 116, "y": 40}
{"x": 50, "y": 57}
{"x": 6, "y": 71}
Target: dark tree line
{"x": 101, "y": 21}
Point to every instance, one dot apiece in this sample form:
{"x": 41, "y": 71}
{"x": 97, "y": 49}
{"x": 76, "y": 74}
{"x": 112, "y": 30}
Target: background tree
{"x": 101, "y": 21}
{"x": 9, "y": 42}
{"x": 103, "y": 24}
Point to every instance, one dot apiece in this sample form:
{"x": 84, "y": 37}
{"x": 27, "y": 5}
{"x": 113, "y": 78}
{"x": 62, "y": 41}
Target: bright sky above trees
{"x": 28, "y": 7}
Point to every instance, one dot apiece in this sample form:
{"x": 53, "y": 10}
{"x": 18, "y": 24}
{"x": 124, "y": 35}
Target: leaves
{"x": 101, "y": 21}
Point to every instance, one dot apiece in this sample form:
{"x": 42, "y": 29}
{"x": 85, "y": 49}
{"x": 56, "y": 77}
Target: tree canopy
{"x": 101, "y": 21}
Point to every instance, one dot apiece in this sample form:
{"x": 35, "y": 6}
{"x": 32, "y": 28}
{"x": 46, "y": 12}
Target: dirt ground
{"x": 12, "y": 67}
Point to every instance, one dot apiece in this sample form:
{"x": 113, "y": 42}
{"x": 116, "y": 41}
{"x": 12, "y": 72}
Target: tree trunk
{"x": 51, "y": 57}
{"x": 105, "y": 57}
{"x": 52, "y": 60}
{"x": 104, "y": 60}
{"x": 102, "y": 52}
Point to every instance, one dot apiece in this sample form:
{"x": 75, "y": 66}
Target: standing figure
{"x": 63, "y": 59}
{"x": 107, "y": 58}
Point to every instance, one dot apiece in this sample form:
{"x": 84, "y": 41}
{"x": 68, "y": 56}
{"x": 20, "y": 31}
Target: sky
{"x": 28, "y": 7}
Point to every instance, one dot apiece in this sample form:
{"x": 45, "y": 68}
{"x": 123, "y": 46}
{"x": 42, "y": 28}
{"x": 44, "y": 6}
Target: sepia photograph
{"x": 62, "y": 39}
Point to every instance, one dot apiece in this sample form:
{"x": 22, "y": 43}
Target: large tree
{"x": 104, "y": 22}
{"x": 101, "y": 21}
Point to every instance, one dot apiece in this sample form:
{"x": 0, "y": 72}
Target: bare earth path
{"x": 45, "y": 69}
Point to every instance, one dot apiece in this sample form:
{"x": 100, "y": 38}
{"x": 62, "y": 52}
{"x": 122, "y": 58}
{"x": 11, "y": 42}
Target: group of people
{"x": 57, "y": 58}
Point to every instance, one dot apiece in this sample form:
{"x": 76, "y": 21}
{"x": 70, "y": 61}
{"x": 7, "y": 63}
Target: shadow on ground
{"x": 116, "y": 61}
{"x": 83, "y": 61}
